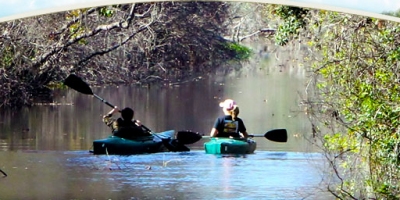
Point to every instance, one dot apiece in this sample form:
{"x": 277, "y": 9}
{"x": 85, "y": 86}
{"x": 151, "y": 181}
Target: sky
{"x": 14, "y": 9}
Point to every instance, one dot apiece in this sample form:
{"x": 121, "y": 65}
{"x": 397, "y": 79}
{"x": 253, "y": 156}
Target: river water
{"x": 45, "y": 149}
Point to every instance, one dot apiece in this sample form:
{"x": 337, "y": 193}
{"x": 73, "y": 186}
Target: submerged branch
{"x": 4, "y": 174}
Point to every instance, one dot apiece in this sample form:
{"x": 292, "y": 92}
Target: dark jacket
{"x": 125, "y": 129}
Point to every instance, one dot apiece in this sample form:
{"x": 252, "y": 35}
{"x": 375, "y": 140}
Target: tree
{"x": 354, "y": 101}
{"x": 120, "y": 44}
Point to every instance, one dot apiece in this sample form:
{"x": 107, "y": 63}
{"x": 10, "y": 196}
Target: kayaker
{"x": 125, "y": 126}
{"x": 229, "y": 125}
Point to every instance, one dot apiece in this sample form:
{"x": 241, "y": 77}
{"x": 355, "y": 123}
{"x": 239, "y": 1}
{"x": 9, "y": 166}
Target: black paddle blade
{"x": 77, "y": 84}
{"x": 188, "y": 137}
{"x": 174, "y": 145}
{"x": 276, "y": 135}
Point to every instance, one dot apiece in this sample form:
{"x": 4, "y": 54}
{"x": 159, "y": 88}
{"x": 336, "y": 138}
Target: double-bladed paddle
{"x": 81, "y": 86}
{"x": 190, "y": 137}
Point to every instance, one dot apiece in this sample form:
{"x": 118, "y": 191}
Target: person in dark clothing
{"x": 125, "y": 126}
{"x": 229, "y": 125}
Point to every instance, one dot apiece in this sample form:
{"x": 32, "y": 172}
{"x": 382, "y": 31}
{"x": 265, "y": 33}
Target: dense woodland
{"x": 353, "y": 93}
{"x": 119, "y": 44}
{"x": 353, "y": 97}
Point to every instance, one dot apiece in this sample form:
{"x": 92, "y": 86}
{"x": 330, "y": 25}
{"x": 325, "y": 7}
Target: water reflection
{"x": 190, "y": 175}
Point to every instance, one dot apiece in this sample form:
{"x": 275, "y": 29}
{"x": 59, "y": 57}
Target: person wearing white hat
{"x": 229, "y": 125}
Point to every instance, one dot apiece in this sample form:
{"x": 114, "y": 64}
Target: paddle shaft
{"x": 81, "y": 86}
{"x": 104, "y": 101}
{"x": 190, "y": 137}
{"x": 112, "y": 106}
{"x": 250, "y": 136}
{"x": 256, "y": 135}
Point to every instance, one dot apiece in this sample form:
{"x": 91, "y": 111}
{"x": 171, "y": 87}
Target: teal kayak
{"x": 157, "y": 142}
{"x": 230, "y": 146}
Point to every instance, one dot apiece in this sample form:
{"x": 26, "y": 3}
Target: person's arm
{"x": 214, "y": 132}
{"x": 114, "y": 110}
{"x": 242, "y": 129}
{"x": 245, "y": 135}
{"x": 108, "y": 120}
{"x": 137, "y": 122}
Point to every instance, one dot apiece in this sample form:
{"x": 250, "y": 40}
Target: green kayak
{"x": 230, "y": 146}
{"x": 157, "y": 142}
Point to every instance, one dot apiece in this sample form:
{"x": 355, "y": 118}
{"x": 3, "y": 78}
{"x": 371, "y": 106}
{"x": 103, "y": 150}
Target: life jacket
{"x": 231, "y": 129}
{"x": 129, "y": 130}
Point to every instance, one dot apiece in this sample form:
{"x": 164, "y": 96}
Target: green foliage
{"x": 293, "y": 21}
{"x": 56, "y": 85}
{"x": 340, "y": 143}
{"x": 287, "y": 12}
{"x": 395, "y": 14}
{"x": 358, "y": 77}
{"x": 7, "y": 57}
{"x": 106, "y": 12}
{"x": 75, "y": 29}
{"x": 241, "y": 52}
